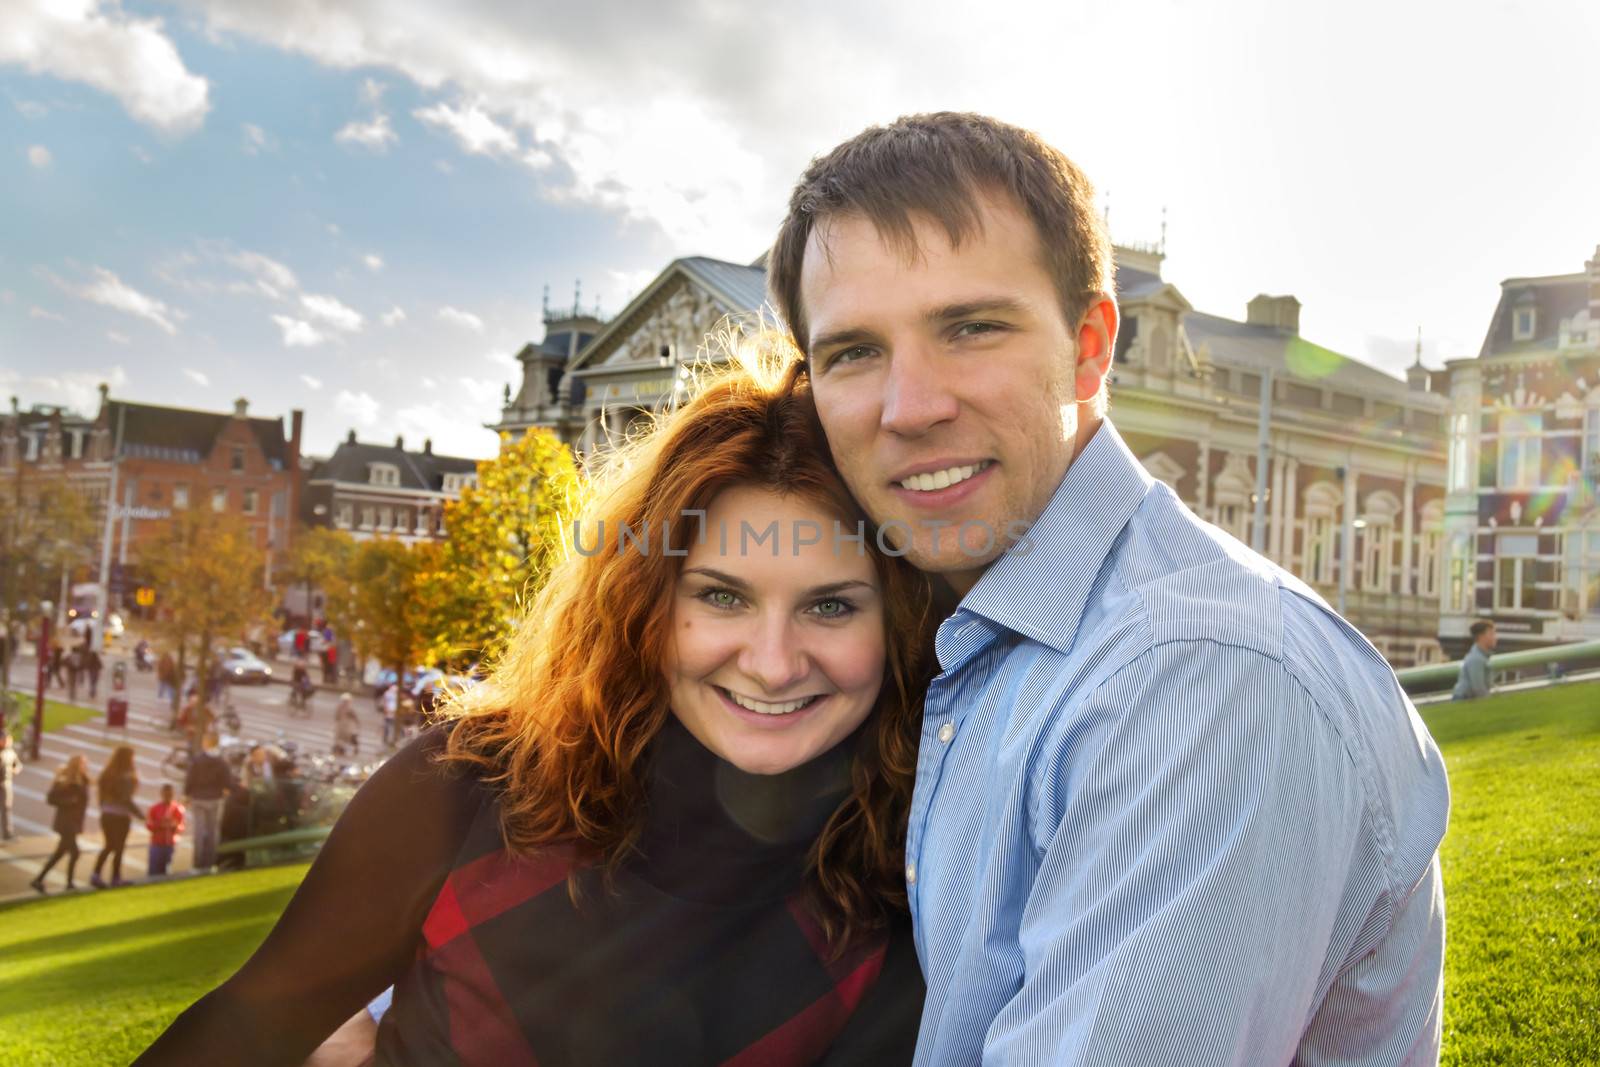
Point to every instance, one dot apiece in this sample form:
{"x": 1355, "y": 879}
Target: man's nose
{"x": 917, "y": 395}
{"x": 773, "y": 656}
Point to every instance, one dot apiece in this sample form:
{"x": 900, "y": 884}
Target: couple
{"x": 1142, "y": 796}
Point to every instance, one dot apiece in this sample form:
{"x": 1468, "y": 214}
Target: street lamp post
{"x": 42, "y": 675}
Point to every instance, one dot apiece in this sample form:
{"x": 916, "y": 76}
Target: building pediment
{"x": 670, "y": 320}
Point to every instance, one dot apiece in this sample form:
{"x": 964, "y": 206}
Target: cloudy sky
{"x": 354, "y": 206}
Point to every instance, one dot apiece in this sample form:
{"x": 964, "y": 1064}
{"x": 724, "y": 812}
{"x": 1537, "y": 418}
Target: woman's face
{"x": 777, "y": 647}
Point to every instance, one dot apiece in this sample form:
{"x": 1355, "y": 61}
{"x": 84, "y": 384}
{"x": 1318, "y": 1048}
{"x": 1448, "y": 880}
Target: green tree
{"x": 390, "y": 618}
{"x": 503, "y": 536}
{"x": 321, "y": 558}
{"x": 208, "y": 572}
{"x": 49, "y": 530}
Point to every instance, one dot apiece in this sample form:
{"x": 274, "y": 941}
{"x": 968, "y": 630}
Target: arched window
{"x": 1230, "y": 499}
{"x": 1430, "y": 546}
{"x": 1376, "y": 538}
{"x": 1322, "y": 506}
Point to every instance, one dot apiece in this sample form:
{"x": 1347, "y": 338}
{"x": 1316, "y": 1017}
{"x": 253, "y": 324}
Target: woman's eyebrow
{"x": 720, "y": 576}
{"x": 838, "y": 587}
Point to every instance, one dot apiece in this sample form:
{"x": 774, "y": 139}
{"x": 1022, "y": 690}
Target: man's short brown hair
{"x": 937, "y": 165}
{"x": 1479, "y": 628}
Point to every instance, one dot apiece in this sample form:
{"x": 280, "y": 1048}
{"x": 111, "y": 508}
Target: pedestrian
{"x": 165, "y": 822}
{"x": 10, "y": 768}
{"x": 92, "y": 665}
{"x": 118, "y": 784}
{"x": 1473, "y": 681}
{"x": 74, "y": 672}
{"x": 166, "y": 677}
{"x": 346, "y": 727}
{"x": 58, "y": 657}
{"x": 204, "y": 788}
{"x": 69, "y": 795}
{"x": 391, "y": 711}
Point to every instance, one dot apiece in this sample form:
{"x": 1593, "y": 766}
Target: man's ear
{"x": 1097, "y": 339}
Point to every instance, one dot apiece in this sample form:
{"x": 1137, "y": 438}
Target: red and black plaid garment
{"x": 701, "y": 951}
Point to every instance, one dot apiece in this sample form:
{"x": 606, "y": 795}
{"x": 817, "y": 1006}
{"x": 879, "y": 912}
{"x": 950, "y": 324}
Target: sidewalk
{"x": 21, "y": 858}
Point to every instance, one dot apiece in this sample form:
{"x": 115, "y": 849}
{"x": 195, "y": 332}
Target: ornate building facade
{"x": 1355, "y": 468}
{"x": 1522, "y": 521}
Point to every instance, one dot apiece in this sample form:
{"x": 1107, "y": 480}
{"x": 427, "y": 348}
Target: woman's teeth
{"x": 761, "y": 707}
{"x": 928, "y": 482}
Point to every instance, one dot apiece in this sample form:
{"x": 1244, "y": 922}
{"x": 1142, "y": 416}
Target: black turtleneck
{"x": 701, "y": 950}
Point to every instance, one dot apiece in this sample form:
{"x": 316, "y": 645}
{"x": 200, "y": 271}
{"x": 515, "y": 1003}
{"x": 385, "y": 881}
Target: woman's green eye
{"x": 721, "y": 598}
{"x": 832, "y": 609}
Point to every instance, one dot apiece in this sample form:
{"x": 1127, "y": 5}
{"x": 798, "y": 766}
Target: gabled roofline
{"x": 682, "y": 265}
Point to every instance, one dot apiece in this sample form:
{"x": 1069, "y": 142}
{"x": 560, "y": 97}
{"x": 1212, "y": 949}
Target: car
{"x": 244, "y": 667}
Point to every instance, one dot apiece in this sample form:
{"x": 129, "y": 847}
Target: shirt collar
{"x": 1041, "y": 593}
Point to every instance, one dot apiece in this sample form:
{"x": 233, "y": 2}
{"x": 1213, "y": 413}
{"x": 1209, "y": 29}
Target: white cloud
{"x": 39, "y": 156}
{"x": 454, "y": 428}
{"x": 474, "y": 129}
{"x": 361, "y": 407}
{"x": 37, "y": 312}
{"x": 331, "y": 311}
{"x": 310, "y": 382}
{"x": 75, "y": 390}
{"x": 377, "y": 135}
{"x": 372, "y": 91}
{"x": 465, "y": 319}
{"x": 103, "y": 47}
{"x": 116, "y": 338}
{"x": 394, "y": 315}
{"x": 373, "y": 261}
{"x": 113, "y": 292}
{"x": 272, "y": 277}
{"x": 297, "y": 333}
{"x": 195, "y": 376}
{"x": 31, "y": 109}
{"x": 482, "y": 392}
{"x": 257, "y": 140}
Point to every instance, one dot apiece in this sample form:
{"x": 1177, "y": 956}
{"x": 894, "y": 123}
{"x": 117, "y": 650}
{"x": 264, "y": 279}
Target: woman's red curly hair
{"x": 563, "y": 724}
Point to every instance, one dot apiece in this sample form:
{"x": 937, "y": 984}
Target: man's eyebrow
{"x": 967, "y": 309}
{"x": 851, "y": 335}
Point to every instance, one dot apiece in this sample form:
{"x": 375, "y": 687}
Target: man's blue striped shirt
{"x": 1170, "y": 808}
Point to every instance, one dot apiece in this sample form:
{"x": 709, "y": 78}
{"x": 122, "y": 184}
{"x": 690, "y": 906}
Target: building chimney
{"x": 240, "y": 408}
{"x": 350, "y": 439}
{"x": 105, "y": 390}
{"x": 297, "y": 476}
{"x": 1281, "y": 312}
{"x": 400, "y": 442}
{"x": 427, "y": 446}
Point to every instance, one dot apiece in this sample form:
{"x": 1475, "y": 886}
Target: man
{"x": 1473, "y": 681}
{"x": 1169, "y": 807}
{"x": 205, "y": 787}
{"x": 10, "y": 769}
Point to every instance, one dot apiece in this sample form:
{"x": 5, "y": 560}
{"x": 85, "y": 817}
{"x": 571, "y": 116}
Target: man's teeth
{"x": 927, "y": 483}
{"x": 761, "y": 707}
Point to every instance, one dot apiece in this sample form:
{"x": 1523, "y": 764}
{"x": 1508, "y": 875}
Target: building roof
{"x": 742, "y": 285}
{"x": 186, "y": 436}
{"x": 351, "y": 464}
{"x": 1553, "y": 298}
{"x": 1255, "y": 348}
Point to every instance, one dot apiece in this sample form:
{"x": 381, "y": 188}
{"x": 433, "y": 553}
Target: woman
{"x": 669, "y": 827}
{"x": 346, "y": 727}
{"x": 118, "y": 783}
{"x": 69, "y": 795}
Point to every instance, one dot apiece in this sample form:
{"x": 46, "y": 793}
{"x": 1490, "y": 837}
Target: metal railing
{"x": 1437, "y": 676}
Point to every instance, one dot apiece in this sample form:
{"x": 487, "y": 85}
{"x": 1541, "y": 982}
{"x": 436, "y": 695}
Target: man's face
{"x": 948, "y": 385}
{"x": 1488, "y": 639}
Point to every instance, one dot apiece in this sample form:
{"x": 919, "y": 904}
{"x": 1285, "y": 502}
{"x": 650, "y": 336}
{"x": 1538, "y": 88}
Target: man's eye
{"x": 849, "y": 355}
{"x": 976, "y": 329}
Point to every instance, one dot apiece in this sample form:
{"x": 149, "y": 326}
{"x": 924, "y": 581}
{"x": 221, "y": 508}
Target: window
{"x": 1345, "y": 404}
{"x": 1590, "y": 573}
{"x": 237, "y": 463}
{"x": 1591, "y": 442}
{"x": 1462, "y": 569}
{"x": 1322, "y": 504}
{"x": 219, "y": 499}
{"x": 1523, "y": 323}
{"x": 1461, "y": 462}
{"x": 368, "y": 517}
{"x": 422, "y": 520}
{"x": 1376, "y": 538}
{"x": 1514, "y": 568}
{"x": 1519, "y": 450}
{"x": 1306, "y": 396}
{"x": 383, "y": 474}
{"x": 385, "y": 517}
{"x": 249, "y": 501}
{"x": 1429, "y": 547}
{"x": 344, "y": 516}
{"x": 180, "y": 495}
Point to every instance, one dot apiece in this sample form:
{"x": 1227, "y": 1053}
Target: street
{"x": 264, "y": 715}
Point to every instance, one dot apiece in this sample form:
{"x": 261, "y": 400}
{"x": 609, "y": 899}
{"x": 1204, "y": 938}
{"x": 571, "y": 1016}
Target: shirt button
{"x": 911, "y": 874}
{"x": 947, "y": 731}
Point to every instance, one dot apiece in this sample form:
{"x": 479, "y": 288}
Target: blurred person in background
{"x": 165, "y": 822}
{"x": 118, "y": 783}
{"x": 69, "y": 795}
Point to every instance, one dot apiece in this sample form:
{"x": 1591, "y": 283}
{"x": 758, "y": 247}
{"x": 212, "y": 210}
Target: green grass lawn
{"x": 1522, "y": 877}
{"x": 56, "y": 715}
{"x": 91, "y": 980}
